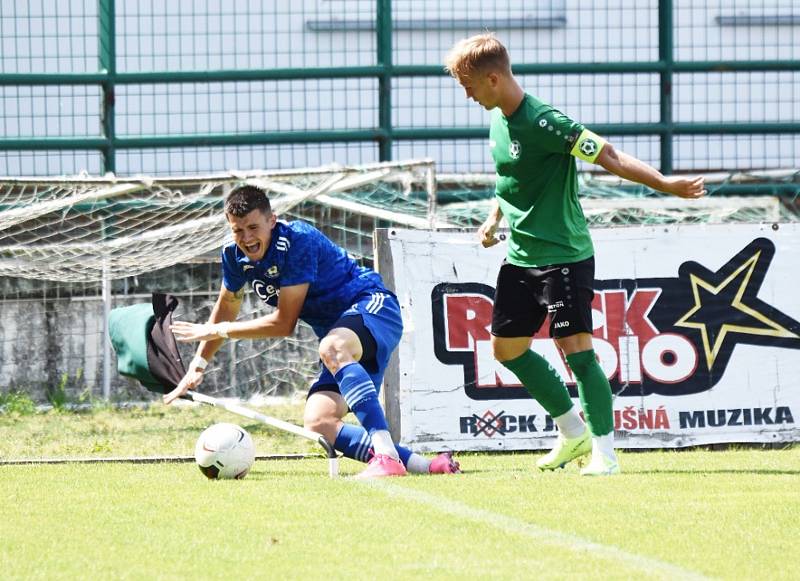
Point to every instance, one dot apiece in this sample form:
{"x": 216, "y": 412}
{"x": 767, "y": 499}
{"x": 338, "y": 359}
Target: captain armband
{"x": 588, "y": 146}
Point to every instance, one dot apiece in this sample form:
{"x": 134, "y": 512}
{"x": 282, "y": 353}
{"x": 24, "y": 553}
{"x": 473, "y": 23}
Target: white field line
{"x": 651, "y": 567}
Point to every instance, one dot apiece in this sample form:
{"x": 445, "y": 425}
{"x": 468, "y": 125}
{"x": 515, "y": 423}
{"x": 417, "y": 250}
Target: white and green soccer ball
{"x": 224, "y": 451}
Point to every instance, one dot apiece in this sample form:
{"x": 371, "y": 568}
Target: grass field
{"x": 672, "y": 515}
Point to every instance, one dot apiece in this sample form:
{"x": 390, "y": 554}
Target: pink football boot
{"x": 444, "y": 463}
{"x": 381, "y": 466}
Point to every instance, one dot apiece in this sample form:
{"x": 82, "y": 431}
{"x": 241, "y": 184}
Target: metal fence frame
{"x": 384, "y": 71}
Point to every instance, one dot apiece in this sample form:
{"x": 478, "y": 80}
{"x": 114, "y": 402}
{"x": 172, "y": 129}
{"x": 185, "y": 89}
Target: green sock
{"x": 541, "y": 381}
{"x": 594, "y": 391}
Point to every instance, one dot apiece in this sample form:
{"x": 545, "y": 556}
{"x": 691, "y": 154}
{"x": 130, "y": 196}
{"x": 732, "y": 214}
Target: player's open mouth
{"x": 252, "y": 248}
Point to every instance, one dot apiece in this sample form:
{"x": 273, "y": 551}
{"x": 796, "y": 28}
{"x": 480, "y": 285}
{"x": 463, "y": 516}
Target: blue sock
{"x": 359, "y": 392}
{"x": 353, "y": 442}
{"x": 404, "y": 454}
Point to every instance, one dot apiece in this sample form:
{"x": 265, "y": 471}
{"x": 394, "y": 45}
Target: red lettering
{"x": 623, "y": 317}
{"x": 646, "y": 419}
{"x": 612, "y": 304}
{"x": 468, "y": 317}
{"x": 636, "y": 317}
{"x": 629, "y": 418}
{"x": 662, "y": 419}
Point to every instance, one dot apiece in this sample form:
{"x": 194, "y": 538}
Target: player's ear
{"x": 271, "y": 219}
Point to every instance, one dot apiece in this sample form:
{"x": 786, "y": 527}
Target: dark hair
{"x": 244, "y": 199}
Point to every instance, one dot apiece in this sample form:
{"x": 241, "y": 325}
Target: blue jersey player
{"x": 293, "y": 267}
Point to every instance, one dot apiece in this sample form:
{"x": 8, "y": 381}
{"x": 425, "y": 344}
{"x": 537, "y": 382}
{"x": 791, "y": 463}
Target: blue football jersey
{"x": 298, "y": 253}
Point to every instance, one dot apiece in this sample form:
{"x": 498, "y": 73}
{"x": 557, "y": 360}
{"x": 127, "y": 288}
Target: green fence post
{"x": 384, "y": 41}
{"x": 108, "y": 64}
{"x": 107, "y": 53}
{"x": 667, "y": 60}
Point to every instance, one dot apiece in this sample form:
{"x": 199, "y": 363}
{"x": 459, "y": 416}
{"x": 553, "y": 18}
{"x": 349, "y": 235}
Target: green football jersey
{"x": 537, "y": 184}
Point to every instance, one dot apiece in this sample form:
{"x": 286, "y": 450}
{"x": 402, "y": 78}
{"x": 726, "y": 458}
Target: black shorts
{"x": 368, "y": 345}
{"x": 525, "y": 296}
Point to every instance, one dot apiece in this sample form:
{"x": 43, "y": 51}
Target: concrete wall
{"x": 50, "y": 343}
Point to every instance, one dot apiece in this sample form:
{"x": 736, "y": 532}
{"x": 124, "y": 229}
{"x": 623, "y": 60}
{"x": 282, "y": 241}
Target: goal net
{"x": 608, "y": 201}
{"x": 72, "y": 248}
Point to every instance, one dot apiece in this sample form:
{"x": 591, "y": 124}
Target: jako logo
{"x": 669, "y": 336}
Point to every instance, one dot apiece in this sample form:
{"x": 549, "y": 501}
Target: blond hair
{"x": 481, "y": 53}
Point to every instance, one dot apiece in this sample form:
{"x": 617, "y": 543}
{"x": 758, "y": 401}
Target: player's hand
{"x": 191, "y": 380}
{"x": 487, "y": 233}
{"x": 187, "y": 332}
{"x": 685, "y": 187}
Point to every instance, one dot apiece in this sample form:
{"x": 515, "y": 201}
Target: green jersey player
{"x": 549, "y": 268}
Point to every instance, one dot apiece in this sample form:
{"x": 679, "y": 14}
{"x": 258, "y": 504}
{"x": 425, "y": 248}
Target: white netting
{"x": 67, "y": 245}
{"x": 752, "y": 197}
{"x": 80, "y": 230}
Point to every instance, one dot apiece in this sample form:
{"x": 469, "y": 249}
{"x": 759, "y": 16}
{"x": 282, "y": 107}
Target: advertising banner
{"x": 696, "y": 327}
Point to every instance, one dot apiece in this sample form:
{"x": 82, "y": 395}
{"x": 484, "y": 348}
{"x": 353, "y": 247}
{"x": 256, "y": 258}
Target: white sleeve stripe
{"x": 376, "y": 304}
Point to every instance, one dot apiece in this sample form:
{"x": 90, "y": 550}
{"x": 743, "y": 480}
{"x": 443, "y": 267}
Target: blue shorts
{"x": 379, "y": 314}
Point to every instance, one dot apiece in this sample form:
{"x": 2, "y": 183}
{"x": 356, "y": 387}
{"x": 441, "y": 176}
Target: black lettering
{"x": 748, "y": 417}
{"x": 506, "y": 424}
{"x": 468, "y": 425}
{"x": 783, "y": 415}
{"x": 526, "y": 423}
{"x": 733, "y": 417}
{"x": 549, "y": 424}
{"x": 762, "y": 416}
{"x": 692, "y": 420}
{"x": 717, "y": 421}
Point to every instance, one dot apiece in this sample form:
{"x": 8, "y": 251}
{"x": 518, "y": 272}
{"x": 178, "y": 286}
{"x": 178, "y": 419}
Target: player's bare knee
{"x": 326, "y": 425}
{"x": 508, "y": 348}
{"x": 316, "y": 422}
{"x": 503, "y": 355}
{"x": 334, "y": 353}
{"x": 329, "y": 353}
{"x": 505, "y": 352}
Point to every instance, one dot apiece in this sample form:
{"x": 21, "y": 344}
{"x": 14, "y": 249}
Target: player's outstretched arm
{"x": 279, "y": 323}
{"x": 628, "y": 167}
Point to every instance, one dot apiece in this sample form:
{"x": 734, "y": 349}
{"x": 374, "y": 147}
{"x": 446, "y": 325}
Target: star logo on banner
{"x": 726, "y": 310}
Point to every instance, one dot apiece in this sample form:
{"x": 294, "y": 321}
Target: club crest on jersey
{"x": 514, "y": 149}
{"x": 273, "y": 271}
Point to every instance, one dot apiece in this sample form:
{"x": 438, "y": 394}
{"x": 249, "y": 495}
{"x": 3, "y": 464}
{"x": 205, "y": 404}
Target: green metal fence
{"x": 187, "y": 87}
